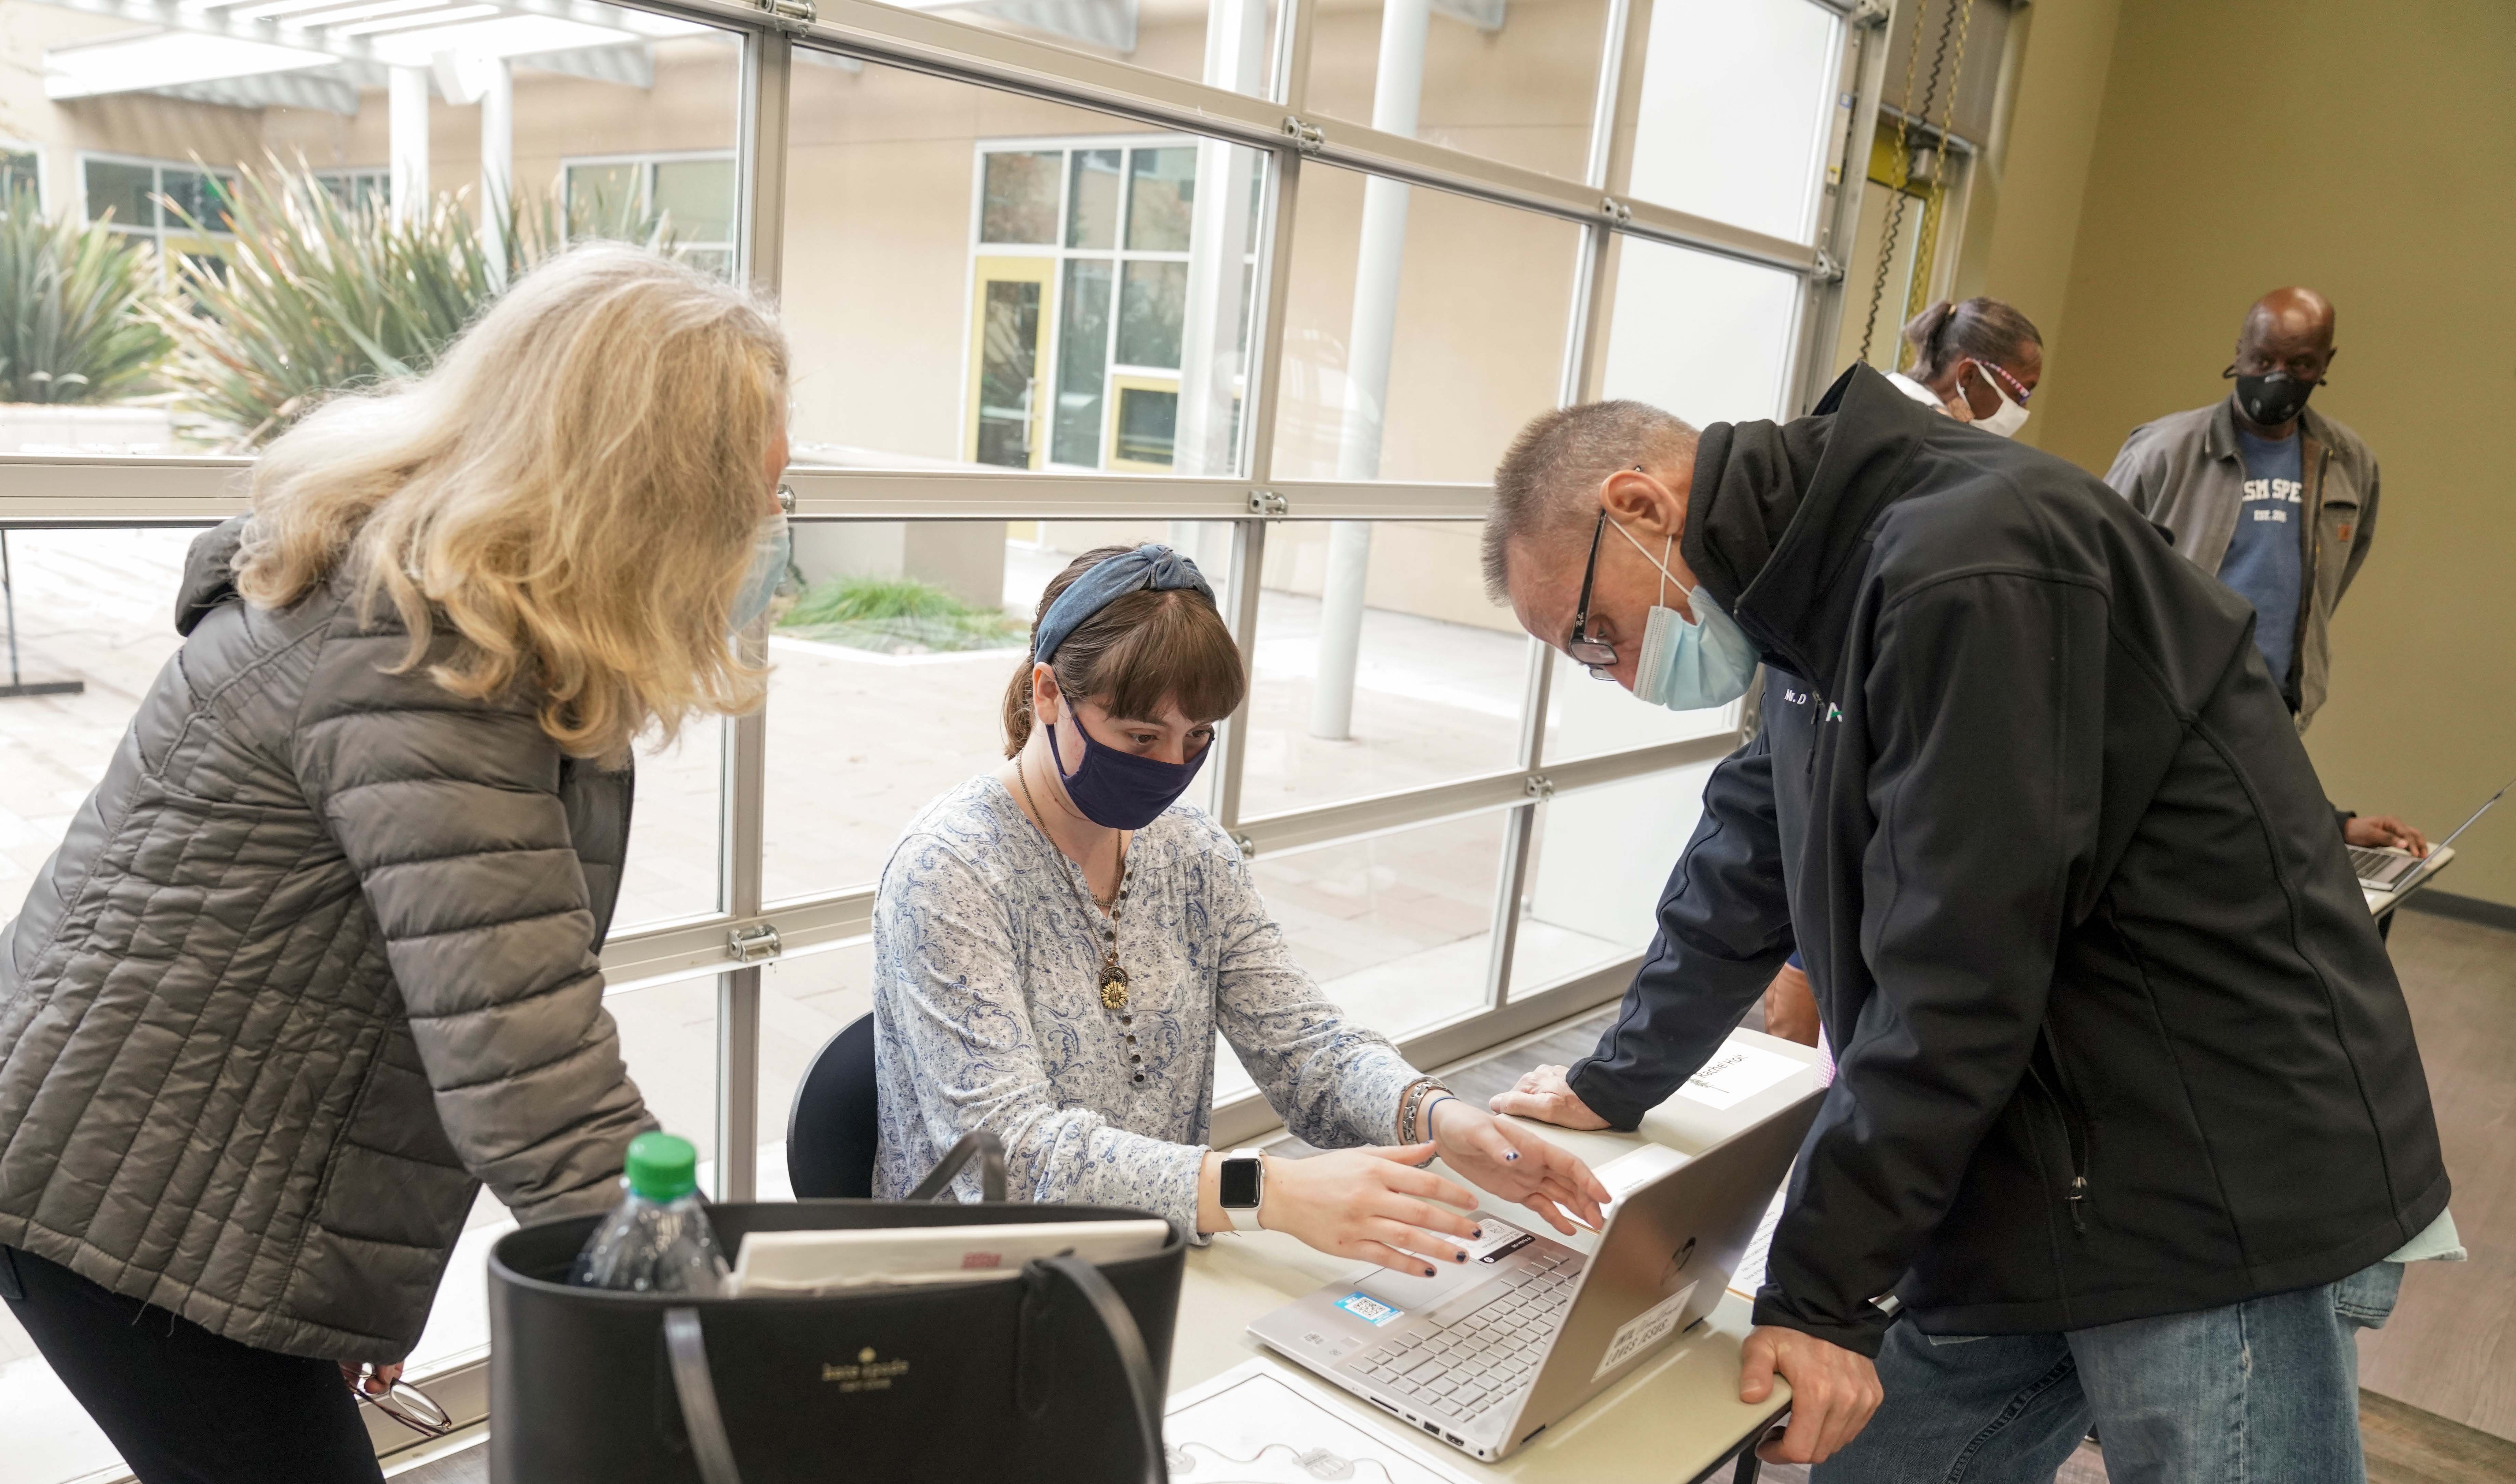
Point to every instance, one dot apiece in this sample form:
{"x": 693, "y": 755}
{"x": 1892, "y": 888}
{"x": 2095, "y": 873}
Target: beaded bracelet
{"x": 1407, "y": 1102}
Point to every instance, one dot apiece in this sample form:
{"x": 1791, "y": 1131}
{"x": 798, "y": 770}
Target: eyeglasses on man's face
{"x": 1584, "y": 647}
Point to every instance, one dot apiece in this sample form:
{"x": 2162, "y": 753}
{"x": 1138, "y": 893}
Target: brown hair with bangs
{"x": 1142, "y": 650}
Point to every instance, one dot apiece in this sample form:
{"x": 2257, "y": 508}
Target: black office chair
{"x": 832, "y": 1128}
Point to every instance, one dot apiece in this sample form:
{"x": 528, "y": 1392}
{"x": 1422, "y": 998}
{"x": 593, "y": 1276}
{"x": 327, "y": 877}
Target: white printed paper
{"x": 1253, "y": 1425}
{"x": 1639, "y": 1332}
{"x": 1737, "y": 1073}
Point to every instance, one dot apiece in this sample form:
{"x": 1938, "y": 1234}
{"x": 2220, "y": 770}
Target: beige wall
{"x": 2022, "y": 225}
{"x": 2365, "y": 151}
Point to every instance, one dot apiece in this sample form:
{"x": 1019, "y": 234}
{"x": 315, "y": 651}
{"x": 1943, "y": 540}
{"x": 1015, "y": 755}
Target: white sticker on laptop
{"x": 1737, "y": 1073}
{"x": 1644, "y": 1330}
{"x": 1369, "y": 1310}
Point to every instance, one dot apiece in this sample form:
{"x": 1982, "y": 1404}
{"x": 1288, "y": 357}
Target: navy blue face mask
{"x": 1120, "y": 790}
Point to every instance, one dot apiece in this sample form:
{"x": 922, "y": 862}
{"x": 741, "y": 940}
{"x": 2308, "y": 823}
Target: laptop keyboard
{"x": 2382, "y": 867}
{"x": 1488, "y": 1358}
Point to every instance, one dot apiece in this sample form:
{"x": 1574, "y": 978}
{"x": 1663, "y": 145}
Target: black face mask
{"x": 2274, "y": 398}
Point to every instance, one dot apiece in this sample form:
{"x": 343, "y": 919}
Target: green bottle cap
{"x": 663, "y": 1167}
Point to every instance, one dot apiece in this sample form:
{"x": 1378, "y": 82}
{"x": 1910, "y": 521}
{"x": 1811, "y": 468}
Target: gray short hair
{"x": 1548, "y": 477}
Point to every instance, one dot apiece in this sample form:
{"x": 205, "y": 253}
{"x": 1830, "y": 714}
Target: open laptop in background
{"x": 1487, "y": 1355}
{"x": 2391, "y": 870}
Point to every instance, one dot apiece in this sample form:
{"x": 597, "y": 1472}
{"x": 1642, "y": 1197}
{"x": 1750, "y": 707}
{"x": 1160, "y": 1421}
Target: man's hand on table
{"x": 1834, "y": 1391}
{"x": 1543, "y": 1094}
{"x": 1518, "y": 1165}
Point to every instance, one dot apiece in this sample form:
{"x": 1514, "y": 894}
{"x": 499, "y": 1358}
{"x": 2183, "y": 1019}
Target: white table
{"x": 1677, "y": 1418}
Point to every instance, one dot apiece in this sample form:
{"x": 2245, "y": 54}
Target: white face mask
{"x": 1689, "y": 666}
{"x": 2008, "y": 418}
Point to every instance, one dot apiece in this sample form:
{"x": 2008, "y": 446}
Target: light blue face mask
{"x": 772, "y": 550}
{"x": 1689, "y": 666}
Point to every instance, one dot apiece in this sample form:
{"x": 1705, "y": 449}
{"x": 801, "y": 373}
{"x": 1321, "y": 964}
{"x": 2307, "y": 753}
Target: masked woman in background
{"x": 1978, "y": 360}
{"x": 1057, "y": 942}
{"x": 318, "y": 957}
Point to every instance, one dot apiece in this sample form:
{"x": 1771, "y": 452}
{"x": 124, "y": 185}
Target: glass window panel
{"x": 1092, "y": 199}
{"x": 1743, "y": 140}
{"x": 1438, "y": 671}
{"x": 197, "y": 195}
{"x": 1160, "y": 193}
{"x": 1522, "y": 91}
{"x": 1021, "y": 199}
{"x": 1147, "y": 424}
{"x": 1397, "y": 929}
{"x": 1710, "y": 338}
{"x": 699, "y": 196}
{"x": 1588, "y": 719}
{"x": 675, "y": 834}
{"x": 873, "y": 715}
{"x": 917, "y": 200}
{"x": 605, "y": 200}
{"x": 1083, "y": 362}
{"x": 1598, "y": 861}
{"x": 123, "y": 189}
{"x": 1153, "y": 304}
{"x": 804, "y": 1000}
{"x": 1473, "y": 310}
{"x": 19, "y": 171}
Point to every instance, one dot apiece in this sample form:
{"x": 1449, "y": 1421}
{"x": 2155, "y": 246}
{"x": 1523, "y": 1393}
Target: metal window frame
{"x": 70, "y": 492}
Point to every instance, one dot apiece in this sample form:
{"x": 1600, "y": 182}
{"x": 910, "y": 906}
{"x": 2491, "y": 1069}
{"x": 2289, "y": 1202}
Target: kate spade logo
{"x": 870, "y": 1373}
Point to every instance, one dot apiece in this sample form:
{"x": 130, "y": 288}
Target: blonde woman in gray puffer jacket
{"x": 318, "y": 957}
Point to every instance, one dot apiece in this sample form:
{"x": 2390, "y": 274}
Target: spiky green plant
{"x": 896, "y": 615}
{"x": 312, "y": 296}
{"x": 71, "y": 326}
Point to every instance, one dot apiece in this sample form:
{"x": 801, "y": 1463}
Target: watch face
{"x": 1239, "y": 1183}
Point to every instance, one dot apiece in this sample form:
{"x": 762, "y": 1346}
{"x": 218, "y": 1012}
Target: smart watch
{"x": 1243, "y": 1188}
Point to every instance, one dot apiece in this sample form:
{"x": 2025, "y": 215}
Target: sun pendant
{"x": 1113, "y": 987}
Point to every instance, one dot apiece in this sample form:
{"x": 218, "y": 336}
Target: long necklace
{"x": 1113, "y": 978}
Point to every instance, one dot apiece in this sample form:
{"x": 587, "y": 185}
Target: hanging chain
{"x": 1928, "y": 242}
{"x": 1899, "y": 200}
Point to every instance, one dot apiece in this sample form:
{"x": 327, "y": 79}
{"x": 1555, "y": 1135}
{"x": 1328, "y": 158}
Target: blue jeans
{"x": 2260, "y": 1392}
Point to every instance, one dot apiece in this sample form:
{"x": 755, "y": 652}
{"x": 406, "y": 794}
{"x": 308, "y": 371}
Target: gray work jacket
{"x": 2186, "y": 473}
{"x": 315, "y": 960}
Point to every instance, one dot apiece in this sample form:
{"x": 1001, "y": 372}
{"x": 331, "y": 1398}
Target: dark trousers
{"x": 182, "y": 1405}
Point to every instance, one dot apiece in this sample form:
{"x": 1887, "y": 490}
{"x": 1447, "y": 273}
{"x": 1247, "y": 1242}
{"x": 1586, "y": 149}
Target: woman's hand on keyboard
{"x": 1517, "y": 1165}
{"x": 1372, "y": 1205}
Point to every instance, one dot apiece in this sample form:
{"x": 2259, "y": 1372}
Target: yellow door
{"x": 1009, "y": 322}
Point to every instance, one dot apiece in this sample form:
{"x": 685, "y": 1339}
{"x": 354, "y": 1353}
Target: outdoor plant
{"x": 72, "y": 322}
{"x": 312, "y": 296}
{"x": 896, "y": 615}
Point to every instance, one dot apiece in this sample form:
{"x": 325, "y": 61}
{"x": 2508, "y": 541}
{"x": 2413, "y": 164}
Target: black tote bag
{"x": 1056, "y": 1375}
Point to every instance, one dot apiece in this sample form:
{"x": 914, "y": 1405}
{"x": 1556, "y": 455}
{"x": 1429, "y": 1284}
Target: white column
{"x": 497, "y": 162}
{"x": 1397, "y": 97}
{"x": 406, "y": 141}
{"x": 1235, "y": 40}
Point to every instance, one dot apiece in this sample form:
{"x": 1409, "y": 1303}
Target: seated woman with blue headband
{"x": 1057, "y": 942}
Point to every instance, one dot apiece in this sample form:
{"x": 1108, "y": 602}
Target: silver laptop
{"x": 2390, "y": 870}
{"x": 1488, "y": 1354}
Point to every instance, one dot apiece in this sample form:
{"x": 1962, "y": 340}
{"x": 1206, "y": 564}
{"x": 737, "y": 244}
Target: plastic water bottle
{"x": 658, "y": 1240}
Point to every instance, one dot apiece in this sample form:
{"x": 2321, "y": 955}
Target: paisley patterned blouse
{"x": 987, "y": 1012}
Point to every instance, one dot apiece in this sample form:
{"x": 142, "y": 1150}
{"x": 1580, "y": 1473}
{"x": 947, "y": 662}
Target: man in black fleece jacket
{"x": 2128, "y": 1098}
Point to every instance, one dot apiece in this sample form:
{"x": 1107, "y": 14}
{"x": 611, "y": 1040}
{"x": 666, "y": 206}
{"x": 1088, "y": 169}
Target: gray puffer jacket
{"x": 315, "y": 959}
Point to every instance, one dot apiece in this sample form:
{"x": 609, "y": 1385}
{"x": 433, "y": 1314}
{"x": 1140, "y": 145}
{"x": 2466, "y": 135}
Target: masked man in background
{"x": 2128, "y": 1115}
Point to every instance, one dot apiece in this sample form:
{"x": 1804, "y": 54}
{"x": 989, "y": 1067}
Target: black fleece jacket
{"x": 2117, "y": 1035}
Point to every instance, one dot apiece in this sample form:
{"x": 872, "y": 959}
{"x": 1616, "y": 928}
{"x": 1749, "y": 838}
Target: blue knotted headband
{"x": 1152, "y": 566}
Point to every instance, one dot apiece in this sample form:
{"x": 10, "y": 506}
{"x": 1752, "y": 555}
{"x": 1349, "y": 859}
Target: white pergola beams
{"x": 319, "y": 54}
